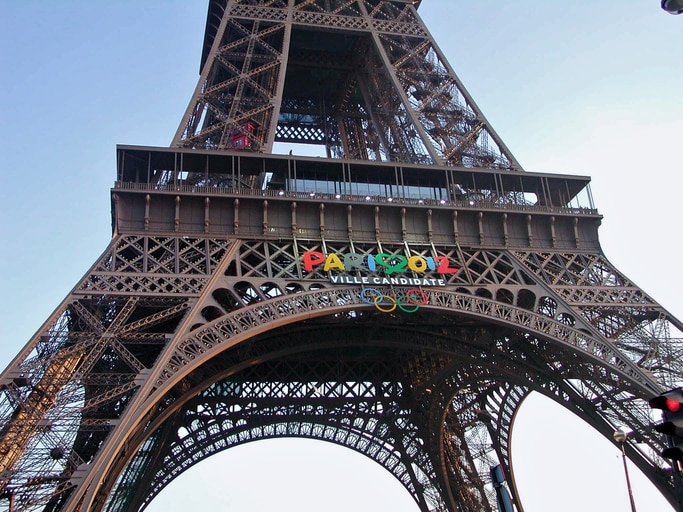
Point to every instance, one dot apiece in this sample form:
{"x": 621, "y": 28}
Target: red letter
{"x": 312, "y": 259}
{"x": 444, "y": 266}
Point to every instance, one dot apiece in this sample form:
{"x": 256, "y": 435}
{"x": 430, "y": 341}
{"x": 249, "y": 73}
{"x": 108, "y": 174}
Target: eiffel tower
{"x": 400, "y": 297}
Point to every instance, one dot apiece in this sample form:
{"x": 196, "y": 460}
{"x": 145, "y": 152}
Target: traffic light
{"x": 671, "y": 404}
{"x": 673, "y": 6}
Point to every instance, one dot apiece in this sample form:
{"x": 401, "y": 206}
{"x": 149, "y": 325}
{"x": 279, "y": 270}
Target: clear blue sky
{"x": 590, "y": 87}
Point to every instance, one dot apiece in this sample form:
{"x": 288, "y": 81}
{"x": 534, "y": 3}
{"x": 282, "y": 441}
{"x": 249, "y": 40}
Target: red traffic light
{"x": 668, "y": 402}
{"x": 671, "y": 404}
{"x": 665, "y": 404}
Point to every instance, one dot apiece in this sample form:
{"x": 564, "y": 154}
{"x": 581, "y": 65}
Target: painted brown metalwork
{"x": 453, "y": 285}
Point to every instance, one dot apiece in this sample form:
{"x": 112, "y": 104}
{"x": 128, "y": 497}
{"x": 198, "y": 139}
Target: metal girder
{"x": 202, "y": 327}
{"x": 116, "y": 344}
{"x": 271, "y": 72}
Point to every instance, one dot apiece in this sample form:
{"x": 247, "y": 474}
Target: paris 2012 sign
{"x": 384, "y": 268}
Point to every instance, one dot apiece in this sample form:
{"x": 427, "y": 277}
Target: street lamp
{"x": 620, "y": 437}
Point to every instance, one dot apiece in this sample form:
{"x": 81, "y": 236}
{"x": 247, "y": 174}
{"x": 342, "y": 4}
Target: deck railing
{"x": 478, "y": 204}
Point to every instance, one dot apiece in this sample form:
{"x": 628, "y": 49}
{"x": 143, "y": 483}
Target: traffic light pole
{"x": 679, "y": 492}
{"x": 620, "y": 437}
{"x": 628, "y": 480}
{"x": 678, "y": 480}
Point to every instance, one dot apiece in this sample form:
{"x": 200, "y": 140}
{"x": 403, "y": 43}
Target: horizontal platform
{"x": 393, "y": 181}
{"x": 253, "y": 195}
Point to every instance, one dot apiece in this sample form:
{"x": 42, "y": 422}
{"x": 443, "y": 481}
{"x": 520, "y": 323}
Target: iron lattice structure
{"x": 454, "y": 284}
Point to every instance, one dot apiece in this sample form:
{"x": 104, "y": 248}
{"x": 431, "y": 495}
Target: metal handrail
{"x": 353, "y": 198}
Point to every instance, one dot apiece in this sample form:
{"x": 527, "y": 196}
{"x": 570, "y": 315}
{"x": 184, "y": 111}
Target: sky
{"x": 589, "y": 87}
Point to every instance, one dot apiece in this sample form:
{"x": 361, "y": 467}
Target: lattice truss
{"x": 374, "y": 413}
{"x": 64, "y": 393}
{"x": 475, "y": 375}
{"x": 617, "y": 308}
{"x": 447, "y": 116}
{"x": 284, "y": 399}
{"x": 488, "y": 274}
{"x": 458, "y": 381}
{"x": 264, "y": 283}
{"x": 233, "y": 106}
{"x": 234, "y": 341}
{"x": 362, "y": 78}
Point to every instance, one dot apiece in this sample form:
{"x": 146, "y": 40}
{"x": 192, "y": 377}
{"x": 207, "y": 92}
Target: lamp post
{"x": 620, "y": 437}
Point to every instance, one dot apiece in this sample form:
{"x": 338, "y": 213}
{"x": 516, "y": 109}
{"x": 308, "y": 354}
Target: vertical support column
{"x": 377, "y": 230}
{"x": 147, "y": 203}
{"x": 404, "y": 231}
{"x": 480, "y": 217}
{"x": 456, "y": 232}
{"x": 176, "y": 218}
{"x": 505, "y": 229}
{"x": 529, "y": 232}
{"x": 236, "y": 219}
{"x": 279, "y": 89}
{"x": 207, "y": 203}
{"x": 321, "y": 209}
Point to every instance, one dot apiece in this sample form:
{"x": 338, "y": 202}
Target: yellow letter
{"x": 333, "y": 261}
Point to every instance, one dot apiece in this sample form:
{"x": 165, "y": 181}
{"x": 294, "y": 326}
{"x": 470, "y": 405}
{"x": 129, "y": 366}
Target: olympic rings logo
{"x": 414, "y": 297}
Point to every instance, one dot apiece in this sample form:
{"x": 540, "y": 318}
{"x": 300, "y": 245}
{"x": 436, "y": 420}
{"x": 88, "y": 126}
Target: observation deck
{"x": 254, "y": 195}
